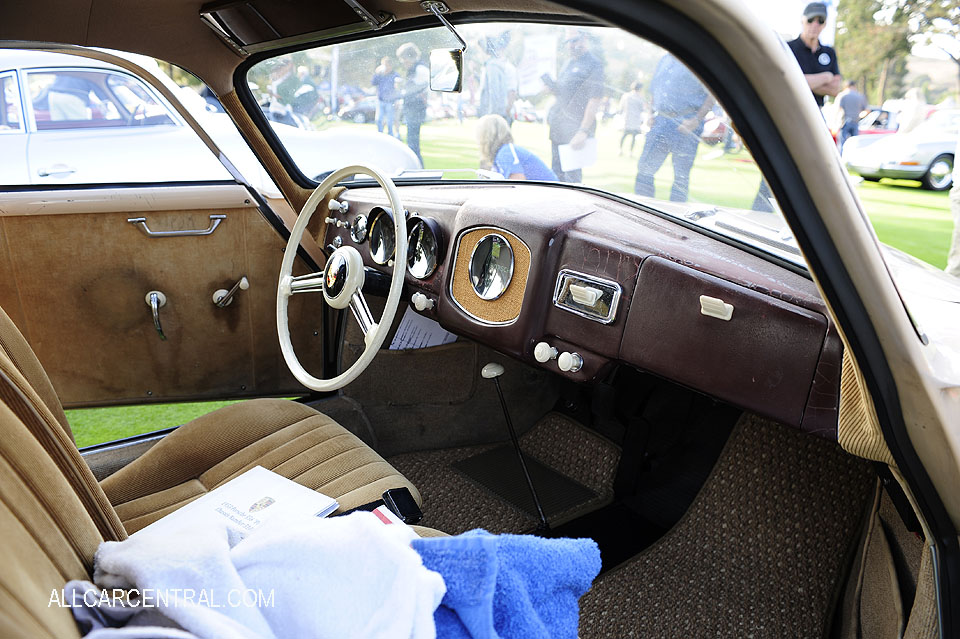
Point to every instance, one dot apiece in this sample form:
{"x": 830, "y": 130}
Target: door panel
{"x": 80, "y": 281}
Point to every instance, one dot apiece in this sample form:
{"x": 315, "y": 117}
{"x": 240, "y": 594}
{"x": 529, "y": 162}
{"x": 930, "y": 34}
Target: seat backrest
{"x": 16, "y": 348}
{"x": 40, "y": 420}
{"x": 47, "y": 536}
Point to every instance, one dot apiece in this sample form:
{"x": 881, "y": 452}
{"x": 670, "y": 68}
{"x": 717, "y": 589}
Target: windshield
{"x": 595, "y": 106}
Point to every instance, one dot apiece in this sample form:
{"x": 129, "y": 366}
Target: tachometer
{"x": 424, "y": 247}
{"x": 491, "y": 267}
{"x": 382, "y": 238}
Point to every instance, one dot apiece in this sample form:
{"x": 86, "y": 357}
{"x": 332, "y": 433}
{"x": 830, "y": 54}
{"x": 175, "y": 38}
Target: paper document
{"x": 417, "y": 331}
{"x": 246, "y": 501}
{"x": 572, "y": 159}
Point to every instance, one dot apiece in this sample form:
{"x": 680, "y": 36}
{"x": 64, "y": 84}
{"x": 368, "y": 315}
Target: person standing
{"x": 633, "y": 108}
{"x": 579, "y": 88}
{"x": 385, "y": 81}
{"x": 498, "y": 82}
{"x": 680, "y": 102}
{"x": 817, "y": 61}
{"x": 820, "y": 68}
{"x": 416, "y": 79}
{"x": 953, "y": 259}
{"x": 852, "y": 103}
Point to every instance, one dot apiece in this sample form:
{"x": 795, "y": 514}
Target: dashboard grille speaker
{"x": 506, "y": 308}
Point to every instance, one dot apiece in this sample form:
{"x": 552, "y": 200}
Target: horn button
{"x": 342, "y": 276}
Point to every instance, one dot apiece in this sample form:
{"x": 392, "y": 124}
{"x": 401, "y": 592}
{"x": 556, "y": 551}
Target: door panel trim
{"x": 125, "y": 199}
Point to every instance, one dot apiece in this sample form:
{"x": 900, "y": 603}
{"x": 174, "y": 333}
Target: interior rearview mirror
{"x": 446, "y": 70}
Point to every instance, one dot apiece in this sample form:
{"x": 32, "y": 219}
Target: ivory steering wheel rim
{"x": 288, "y": 285}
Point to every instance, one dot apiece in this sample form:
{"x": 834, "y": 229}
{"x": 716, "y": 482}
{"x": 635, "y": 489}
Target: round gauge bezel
{"x": 471, "y": 271}
{"x": 377, "y": 214}
{"x": 434, "y": 229}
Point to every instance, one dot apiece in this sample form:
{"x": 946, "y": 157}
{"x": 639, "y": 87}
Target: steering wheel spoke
{"x": 309, "y": 283}
{"x": 361, "y": 312}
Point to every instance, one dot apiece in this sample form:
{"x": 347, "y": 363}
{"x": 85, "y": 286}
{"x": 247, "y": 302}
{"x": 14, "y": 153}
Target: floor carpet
{"x": 758, "y": 554}
{"x": 454, "y": 503}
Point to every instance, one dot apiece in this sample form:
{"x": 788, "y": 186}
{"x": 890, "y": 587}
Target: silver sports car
{"x": 925, "y": 153}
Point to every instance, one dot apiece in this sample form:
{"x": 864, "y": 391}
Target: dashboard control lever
{"x": 570, "y": 362}
{"x": 543, "y": 352}
{"x": 156, "y": 300}
{"x": 421, "y": 302}
{"x": 493, "y": 371}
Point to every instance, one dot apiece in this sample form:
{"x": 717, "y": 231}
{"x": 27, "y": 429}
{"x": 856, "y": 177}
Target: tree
{"x": 935, "y": 22}
{"x": 872, "y": 46}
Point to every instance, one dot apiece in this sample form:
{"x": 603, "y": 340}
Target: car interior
{"x": 679, "y": 395}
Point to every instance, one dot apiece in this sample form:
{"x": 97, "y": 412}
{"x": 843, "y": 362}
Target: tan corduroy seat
{"x": 289, "y": 438}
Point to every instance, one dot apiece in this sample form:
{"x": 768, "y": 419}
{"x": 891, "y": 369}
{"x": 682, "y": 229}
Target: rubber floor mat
{"x": 760, "y": 552}
{"x": 498, "y": 470}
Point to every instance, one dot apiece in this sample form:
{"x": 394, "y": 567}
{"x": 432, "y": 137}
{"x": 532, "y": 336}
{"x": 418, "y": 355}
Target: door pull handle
{"x": 141, "y": 222}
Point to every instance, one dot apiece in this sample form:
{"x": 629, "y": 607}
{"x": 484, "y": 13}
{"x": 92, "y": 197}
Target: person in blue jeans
{"x": 500, "y": 154}
{"x": 680, "y": 103}
{"x": 385, "y": 81}
{"x": 416, "y": 79}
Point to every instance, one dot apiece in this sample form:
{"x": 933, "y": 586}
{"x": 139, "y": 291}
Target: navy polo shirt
{"x": 823, "y": 59}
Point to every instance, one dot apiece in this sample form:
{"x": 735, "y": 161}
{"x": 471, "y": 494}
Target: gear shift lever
{"x": 494, "y": 371}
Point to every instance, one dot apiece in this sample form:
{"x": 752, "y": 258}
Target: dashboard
{"x": 578, "y": 283}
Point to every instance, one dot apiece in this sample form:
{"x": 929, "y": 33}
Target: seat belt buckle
{"x": 402, "y": 504}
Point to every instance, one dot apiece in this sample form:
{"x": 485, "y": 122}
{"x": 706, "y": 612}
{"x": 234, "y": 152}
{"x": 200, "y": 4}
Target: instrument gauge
{"x": 382, "y": 236}
{"x": 491, "y": 266}
{"x": 424, "y": 247}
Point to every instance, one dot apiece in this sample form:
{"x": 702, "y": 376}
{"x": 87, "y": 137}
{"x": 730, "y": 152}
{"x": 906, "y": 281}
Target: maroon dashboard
{"x": 575, "y": 282}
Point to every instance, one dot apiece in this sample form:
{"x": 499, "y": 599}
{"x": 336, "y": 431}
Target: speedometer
{"x": 383, "y": 239}
{"x": 424, "y": 246}
{"x": 491, "y": 267}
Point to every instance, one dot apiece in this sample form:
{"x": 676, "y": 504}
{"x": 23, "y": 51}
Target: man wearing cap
{"x": 817, "y": 61}
{"x": 820, "y": 69}
{"x": 579, "y": 89}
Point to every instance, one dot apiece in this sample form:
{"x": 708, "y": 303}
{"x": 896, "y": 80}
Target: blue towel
{"x": 506, "y": 586}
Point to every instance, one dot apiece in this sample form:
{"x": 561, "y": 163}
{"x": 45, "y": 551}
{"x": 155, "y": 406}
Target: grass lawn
{"x": 905, "y": 216}
{"x": 97, "y": 425}
{"x": 909, "y": 218}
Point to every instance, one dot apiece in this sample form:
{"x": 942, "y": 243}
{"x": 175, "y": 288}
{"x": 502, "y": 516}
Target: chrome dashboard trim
{"x": 605, "y": 285}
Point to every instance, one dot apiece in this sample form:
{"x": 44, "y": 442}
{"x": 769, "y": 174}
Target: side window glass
{"x": 10, "y": 118}
{"x": 137, "y": 101}
{"x": 73, "y": 99}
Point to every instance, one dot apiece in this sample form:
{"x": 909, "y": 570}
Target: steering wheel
{"x": 341, "y": 282}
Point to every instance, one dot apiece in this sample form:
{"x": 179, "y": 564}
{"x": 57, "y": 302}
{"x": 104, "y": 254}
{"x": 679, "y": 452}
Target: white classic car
{"x": 73, "y": 120}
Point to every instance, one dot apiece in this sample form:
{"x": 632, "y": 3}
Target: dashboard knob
{"x": 570, "y": 362}
{"x": 421, "y": 302}
{"x": 543, "y": 352}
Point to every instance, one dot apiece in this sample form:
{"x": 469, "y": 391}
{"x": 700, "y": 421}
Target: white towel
{"x": 338, "y": 577}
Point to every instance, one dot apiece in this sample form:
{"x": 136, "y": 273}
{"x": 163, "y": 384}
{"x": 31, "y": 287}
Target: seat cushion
{"x": 283, "y": 436}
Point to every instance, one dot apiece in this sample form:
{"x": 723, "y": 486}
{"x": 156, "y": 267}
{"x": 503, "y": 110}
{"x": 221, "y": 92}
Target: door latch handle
{"x": 56, "y": 169}
{"x": 156, "y": 300}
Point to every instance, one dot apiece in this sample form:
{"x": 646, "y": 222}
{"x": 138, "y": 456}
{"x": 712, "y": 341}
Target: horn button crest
{"x": 342, "y": 276}
{"x": 336, "y": 275}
